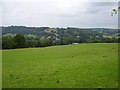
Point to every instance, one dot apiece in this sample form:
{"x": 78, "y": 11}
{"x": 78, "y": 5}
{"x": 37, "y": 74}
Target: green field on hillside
{"x": 67, "y": 66}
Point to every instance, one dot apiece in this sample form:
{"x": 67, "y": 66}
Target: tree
{"x": 20, "y": 40}
{"x": 8, "y": 42}
{"x": 45, "y": 42}
{"x": 115, "y": 11}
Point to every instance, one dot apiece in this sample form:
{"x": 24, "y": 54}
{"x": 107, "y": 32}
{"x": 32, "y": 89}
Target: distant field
{"x": 69, "y": 66}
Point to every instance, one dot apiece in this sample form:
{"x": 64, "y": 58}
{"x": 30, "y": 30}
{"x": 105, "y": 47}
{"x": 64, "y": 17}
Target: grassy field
{"x": 69, "y": 66}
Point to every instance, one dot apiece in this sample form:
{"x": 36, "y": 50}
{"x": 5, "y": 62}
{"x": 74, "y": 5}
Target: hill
{"x": 46, "y": 36}
{"x": 59, "y": 32}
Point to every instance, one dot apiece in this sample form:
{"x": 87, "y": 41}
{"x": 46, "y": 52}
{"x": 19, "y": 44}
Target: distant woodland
{"x": 25, "y": 37}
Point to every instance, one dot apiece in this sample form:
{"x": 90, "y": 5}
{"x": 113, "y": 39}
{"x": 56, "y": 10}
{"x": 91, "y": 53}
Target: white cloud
{"x": 59, "y": 0}
{"x": 59, "y": 13}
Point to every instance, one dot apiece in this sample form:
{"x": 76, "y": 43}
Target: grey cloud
{"x": 101, "y": 7}
{"x": 58, "y": 14}
{"x": 103, "y": 4}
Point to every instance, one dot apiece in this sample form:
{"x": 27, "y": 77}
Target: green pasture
{"x": 67, "y": 66}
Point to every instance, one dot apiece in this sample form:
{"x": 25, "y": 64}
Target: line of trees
{"x": 20, "y": 41}
{"x": 26, "y": 41}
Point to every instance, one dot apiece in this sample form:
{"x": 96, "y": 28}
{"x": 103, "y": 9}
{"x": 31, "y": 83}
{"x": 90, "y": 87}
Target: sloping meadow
{"x": 67, "y": 66}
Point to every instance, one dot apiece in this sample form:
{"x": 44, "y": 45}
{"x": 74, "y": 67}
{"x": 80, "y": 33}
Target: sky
{"x": 58, "y": 13}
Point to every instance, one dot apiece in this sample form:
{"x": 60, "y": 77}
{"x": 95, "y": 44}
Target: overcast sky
{"x": 59, "y": 13}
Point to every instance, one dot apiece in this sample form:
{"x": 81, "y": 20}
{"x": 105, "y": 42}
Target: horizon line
{"x": 55, "y": 26}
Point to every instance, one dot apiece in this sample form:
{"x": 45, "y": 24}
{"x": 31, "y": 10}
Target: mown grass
{"x": 69, "y": 66}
